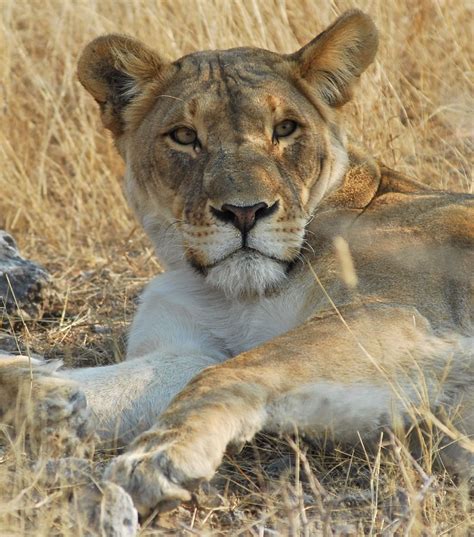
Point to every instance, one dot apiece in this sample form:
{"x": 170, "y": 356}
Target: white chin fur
{"x": 246, "y": 274}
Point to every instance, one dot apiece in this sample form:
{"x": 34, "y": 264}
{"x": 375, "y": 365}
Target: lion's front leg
{"x": 319, "y": 377}
{"x": 188, "y": 442}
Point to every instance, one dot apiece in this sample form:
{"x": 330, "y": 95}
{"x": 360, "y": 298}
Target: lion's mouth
{"x": 243, "y": 252}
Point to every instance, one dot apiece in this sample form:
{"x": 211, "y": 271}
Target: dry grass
{"x": 61, "y": 198}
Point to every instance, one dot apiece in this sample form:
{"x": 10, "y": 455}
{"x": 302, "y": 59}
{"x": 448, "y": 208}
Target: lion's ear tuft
{"x": 334, "y": 60}
{"x": 115, "y": 69}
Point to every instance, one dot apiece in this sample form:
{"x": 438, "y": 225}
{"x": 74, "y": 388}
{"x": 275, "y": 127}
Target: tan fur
{"x": 291, "y": 339}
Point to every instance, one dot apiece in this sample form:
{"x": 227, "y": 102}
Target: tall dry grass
{"x": 60, "y": 195}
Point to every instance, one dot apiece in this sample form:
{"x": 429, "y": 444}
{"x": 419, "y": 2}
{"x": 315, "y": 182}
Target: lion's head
{"x": 228, "y": 152}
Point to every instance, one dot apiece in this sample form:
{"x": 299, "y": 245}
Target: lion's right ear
{"x": 115, "y": 70}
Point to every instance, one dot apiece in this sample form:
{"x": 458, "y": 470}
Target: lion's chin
{"x": 247, "y": 274}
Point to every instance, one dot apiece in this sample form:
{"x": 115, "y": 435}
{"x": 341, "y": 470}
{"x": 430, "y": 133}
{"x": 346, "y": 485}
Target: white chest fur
{"x": 179, "y": 313}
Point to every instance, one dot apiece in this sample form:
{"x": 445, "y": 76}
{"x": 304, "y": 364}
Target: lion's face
{"x": 228, "y": 152}
{"x": 230, "y": 157}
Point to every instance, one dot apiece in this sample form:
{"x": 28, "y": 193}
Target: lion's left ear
{"x": 334, "y": 60}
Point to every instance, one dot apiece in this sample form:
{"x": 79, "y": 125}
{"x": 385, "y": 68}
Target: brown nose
{"x": 243, "y": 218}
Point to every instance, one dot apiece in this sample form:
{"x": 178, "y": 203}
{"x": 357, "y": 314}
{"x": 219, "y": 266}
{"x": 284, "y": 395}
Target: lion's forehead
{"x": 225, "y": 87}
{"x": 248, "y": 66}
{"x": 218, "y": 76}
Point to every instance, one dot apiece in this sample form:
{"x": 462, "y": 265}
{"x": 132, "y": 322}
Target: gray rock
{"x": 24, "y": 285}
{"x": 99, "y": 508}
{"x": 107, "y": 510}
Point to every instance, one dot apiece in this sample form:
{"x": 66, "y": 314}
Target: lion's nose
{"x": 243, "y": 217}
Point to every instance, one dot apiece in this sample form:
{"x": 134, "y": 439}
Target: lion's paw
{"x": 161, "y": 470}
{"x": 52, "y": 411}
{"x": 60, "y": 417}
{"x": 152, "y": 480}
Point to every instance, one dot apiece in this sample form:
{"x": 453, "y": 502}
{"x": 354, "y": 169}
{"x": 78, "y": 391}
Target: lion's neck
{"x": 367, "y": 179}
{"x": 359, "y": 185}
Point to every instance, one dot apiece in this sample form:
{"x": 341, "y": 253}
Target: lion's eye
{"x": 184, "y": 136}
{"x": 285, "y": 128}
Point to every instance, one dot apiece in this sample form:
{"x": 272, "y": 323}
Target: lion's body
{"x": 307, "y": 286}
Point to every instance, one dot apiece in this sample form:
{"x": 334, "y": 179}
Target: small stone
{"x": 99, "y": 329}
{"x": 279, "y": 466}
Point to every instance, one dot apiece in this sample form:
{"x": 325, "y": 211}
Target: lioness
{"x": 307, "y": 284}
